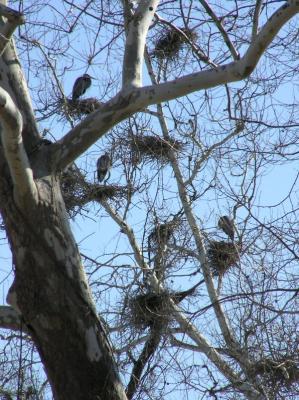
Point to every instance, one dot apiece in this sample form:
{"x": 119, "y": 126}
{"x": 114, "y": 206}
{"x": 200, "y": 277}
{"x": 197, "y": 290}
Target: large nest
{"x": 77, "y": 192}
{"x": 79, "y": 107}
{"x": 153, "y": 147}
{"x": 284, "y": 371}
{"x": 153, "y": 310}
{"x": 171, "y": 42}
{"x": 73, "y": 189}
{"x": 149, "y": 310}
{"x": 222, "y": 256}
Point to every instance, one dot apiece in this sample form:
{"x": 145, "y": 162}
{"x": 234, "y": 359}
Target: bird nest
{"x": 76, "y": 108}
{"x": 171, "y": 42}
{"x": 104, "y": 192}
{"x": 77, "y": 192}
{"x": 73, "y": 189}
{"x": 284, "y": 371}
{"x": 149, "y": 310}
{"x": 153, "y": 147}
{"x": 162, "y": 232}
{"x": 222, "y": 256}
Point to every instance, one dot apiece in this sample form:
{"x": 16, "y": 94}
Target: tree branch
{"x": 239, "y": 128}
{"x": 130, "y": 235}
{"x": 14, "y": 19}
{"x": 136, "y": 35}
{"x": 201, "y": 251}
{"x": 223, "y": 32}
{"x": 212, "y": 354}
{"x": 185, "y": 325}
{"x": 255, "y": 25}
{"x": 13, "y": 81}
{"x": 11, "y": 135}
{"x": 149, "y": 349}
{"x": 202, "y": 257}
{"x": 126, "y": 103}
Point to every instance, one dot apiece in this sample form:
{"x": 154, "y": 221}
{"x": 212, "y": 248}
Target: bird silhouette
{"x": 227, "y": 225}
{"x": 80, "y": 86}
{"x": 103, "y": 166}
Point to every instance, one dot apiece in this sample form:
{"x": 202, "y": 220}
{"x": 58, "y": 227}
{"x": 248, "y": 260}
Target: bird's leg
{"x": 105, "y": 181}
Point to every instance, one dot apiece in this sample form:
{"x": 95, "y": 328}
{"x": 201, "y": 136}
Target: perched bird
{"x": 80, "y": 86}
{"x": 103, "y": 166}
{"x": 227, "y": 225}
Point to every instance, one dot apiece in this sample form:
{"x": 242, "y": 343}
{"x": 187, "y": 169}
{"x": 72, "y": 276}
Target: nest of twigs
{"x": 222, "y": 256}
{"x": 79, "y": 107}
{"x": 162, "y": 233}
{"x": 149, "y": 310}
{"x": 104, "y": 192}
{"x": 153, "y": 147}
{"x": 73, "y": 189}
{"x": 283, "y": 371}
{"x": 77, "y": 192}
{"x": 171, "y": 41}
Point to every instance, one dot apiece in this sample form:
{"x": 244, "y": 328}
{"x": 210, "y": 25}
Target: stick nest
{"x": 149, "y": 310}
{"x": 222, "y": 256}
{"x": 153, "y": 147}
{"x": 171, "y": 42}
{"x": 77, "y": 108}
{"x": 162, "y": 233}
{"x": 284, "y": 371}
{"x": 77, "y": 192}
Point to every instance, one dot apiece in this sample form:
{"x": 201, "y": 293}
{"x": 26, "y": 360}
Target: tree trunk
{"x": 51, "y": 293}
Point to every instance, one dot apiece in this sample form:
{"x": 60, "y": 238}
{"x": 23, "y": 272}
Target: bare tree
{"x": 192, "y": 126}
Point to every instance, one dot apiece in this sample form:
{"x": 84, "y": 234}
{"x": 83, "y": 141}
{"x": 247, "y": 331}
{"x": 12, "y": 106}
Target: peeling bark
{"x": 50, "y": 291}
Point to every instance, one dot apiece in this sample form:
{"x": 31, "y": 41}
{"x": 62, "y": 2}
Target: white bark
{"x": 11, "y": 134}
{"x": 255, "y": 25}
{"x": 93, "y": 349}
{"x": 14, "y": 19}
{"x": 136, "y": 35}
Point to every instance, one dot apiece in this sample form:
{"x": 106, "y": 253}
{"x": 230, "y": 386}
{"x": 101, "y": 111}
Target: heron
{"x": 227, "y": 225}
{"x": 103, "y": 166}
{"x": 80, "y": 86}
